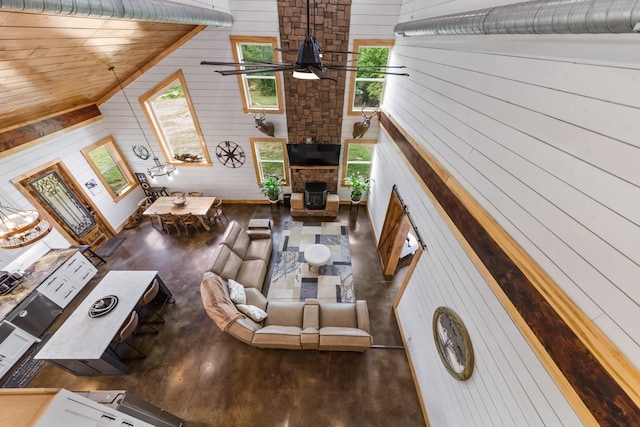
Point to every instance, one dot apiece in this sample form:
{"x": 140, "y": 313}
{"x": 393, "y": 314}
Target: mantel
{"x": 314, "y": 167}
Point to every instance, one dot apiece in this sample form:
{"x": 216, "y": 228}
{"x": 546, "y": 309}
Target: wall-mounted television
{"x": 314, "y": 154}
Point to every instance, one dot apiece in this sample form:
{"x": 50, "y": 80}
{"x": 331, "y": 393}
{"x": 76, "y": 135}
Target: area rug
{"x": 110, "y": 246}
{"x": 28, "y": 368}
{"x": 292, "y": 280}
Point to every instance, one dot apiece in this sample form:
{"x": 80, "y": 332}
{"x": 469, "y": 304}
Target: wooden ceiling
{"x": 52, "y": 64}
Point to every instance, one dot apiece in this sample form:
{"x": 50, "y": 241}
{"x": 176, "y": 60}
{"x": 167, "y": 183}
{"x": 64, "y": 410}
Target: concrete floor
{"x": 208, "y": 378}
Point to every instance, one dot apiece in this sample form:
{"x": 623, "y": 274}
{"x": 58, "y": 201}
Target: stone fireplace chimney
{"x": 314, "y": 107}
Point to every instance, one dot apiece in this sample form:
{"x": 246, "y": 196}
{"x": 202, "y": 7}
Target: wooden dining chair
{"x": 189, "y": 220}
{"x": 216, "y": 213}
{"x": 196, "y": 194}
{"x": 169, "y": 219}
{"x": 177, "y": 194}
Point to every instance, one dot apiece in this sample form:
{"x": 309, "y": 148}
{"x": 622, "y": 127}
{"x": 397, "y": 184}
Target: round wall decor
{"x": 230, "y": 154}
{"x": 453, "y": 343}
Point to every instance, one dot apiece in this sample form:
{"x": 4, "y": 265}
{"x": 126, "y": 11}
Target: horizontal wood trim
{"x": 314, "y": 167}
{"x": 599, "y": 382}
{"x": 15, "y": 138}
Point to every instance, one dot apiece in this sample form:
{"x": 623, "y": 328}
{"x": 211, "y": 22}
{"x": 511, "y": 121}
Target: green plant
{"x": 359, "y": 186}
{"x": 271, "y": 186}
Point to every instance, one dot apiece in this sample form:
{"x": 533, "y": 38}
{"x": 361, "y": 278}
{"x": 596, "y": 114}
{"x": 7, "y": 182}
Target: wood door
{"x": 56, "y": 193}
{"x": 394, "y": 232}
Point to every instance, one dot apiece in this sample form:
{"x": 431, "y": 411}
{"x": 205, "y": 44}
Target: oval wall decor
{"x": 453, "y": 343}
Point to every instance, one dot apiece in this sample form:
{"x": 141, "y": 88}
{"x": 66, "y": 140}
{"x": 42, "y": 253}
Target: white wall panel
{"x": 216, "y": 101}
{"x": 509, "y": 386}
{"x": 542, "y": 132}
{"x": 66, "y": 148}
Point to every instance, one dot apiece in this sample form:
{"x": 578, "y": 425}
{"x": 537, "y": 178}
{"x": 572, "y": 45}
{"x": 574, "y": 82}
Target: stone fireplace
{"x": 300, "y": 176}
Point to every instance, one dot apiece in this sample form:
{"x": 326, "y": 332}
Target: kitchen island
{"x": 82, "y": 344}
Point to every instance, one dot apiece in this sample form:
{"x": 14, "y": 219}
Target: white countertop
{"x": 84, "y": 337}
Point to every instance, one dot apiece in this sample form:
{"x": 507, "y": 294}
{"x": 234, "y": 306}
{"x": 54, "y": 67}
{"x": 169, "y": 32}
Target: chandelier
{"x": 21, "y": 228}
{"x": 161, "y": 168}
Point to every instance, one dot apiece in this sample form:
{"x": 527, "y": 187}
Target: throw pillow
{"x": 255, "y": 313}
{"x": 236, "y": 292}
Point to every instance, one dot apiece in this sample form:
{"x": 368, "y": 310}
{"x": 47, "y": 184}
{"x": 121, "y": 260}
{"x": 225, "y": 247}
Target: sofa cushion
{"x": 277, "y": 336}
{"x": 259, "y": 249}
{"x": 225, "y": 263}
{"x": 251, "y": 273}
{"x": 338, "y": 314}
{"x": 254, "y": 313}
{"x": 285, "y": 314}
{"x": 236, "y": 239}
{"x": 236, "y": 292}
{"x": 255, "y": 297}
{"x": 348, "y": 339}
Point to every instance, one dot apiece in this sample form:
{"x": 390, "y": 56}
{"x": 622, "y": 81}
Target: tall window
{"x": 269, "y": 158}
{"x": 260, "y": 91}
{"x": 169, "y": 110}
{"x": 368, "y": 83}
{"x": 358, "y": 154}
{"x": 112, "y": 170}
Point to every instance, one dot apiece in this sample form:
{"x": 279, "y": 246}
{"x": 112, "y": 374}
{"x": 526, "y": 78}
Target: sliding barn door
{"x": 394, "y": 233}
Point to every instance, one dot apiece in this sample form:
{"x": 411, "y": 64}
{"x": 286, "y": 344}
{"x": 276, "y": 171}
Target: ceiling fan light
{"x": 304, "y": 75}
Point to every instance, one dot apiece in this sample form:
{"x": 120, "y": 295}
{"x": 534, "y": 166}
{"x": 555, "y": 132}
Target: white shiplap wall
{"x": 509, "y": 385}
{"x": 541, "y": 130}
{"x": 217, "y": 104}
{"x": 369, "y": 20}
{"x": 66, "y": 148}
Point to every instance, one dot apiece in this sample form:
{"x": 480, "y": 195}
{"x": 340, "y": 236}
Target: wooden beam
{"x": 27, "y": 135}
{"x": 568, "y": 343}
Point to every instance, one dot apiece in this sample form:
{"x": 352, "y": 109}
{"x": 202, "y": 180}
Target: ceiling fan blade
{"x": 318, "y": 72}
{"x": 250, "y": 62}
{"x": 340, "y": 51}
{"x": 230, "y": 64}
{"x": 258, "y": 70}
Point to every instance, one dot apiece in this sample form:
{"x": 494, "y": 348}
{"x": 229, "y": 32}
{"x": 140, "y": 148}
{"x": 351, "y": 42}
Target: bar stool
{"x": 149, "y": 295}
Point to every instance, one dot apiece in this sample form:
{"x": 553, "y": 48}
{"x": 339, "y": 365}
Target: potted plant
{"x": 271, "y": 187}
{"x": 359, "y": 186}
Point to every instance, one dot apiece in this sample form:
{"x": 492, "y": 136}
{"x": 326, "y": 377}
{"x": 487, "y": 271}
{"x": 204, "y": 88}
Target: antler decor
{"x": 265, "y": 127}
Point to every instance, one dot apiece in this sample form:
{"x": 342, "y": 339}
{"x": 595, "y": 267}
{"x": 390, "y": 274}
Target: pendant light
{"x": 160, "y": 168}
{"x": 20, "y": 228}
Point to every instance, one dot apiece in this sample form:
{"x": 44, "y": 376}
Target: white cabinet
{"x": 13, "y": 347}
{"x": 71, "y": 410}
{"x": 65, "y": 283}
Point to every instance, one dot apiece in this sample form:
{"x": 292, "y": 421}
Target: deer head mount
{"x": 360, "y": 128}
{"x": 265, "y": 127}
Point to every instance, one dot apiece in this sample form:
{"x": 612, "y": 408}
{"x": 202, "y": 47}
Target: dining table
{"x": 197, "y": 206}
{"x": 82, "y": 343}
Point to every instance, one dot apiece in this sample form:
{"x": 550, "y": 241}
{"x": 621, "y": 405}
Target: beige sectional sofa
{"x": 244, "y": 257}
{"x": 305, "y": 325}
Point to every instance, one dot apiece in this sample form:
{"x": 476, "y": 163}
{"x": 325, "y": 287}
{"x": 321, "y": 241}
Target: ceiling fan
{"x": 308, "y": 64}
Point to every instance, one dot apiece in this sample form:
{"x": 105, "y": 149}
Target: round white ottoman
{"x": 317, "y": 255}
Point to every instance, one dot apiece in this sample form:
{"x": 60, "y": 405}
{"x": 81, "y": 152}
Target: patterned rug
{"x": 292, "y": 280}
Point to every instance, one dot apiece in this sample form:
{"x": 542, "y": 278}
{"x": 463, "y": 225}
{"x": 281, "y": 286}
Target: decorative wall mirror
{"x": 453, "y": 343}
